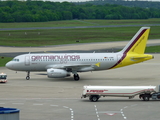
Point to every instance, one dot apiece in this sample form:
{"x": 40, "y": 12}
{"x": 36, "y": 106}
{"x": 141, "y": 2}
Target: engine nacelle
{"x": 57, "y": 73}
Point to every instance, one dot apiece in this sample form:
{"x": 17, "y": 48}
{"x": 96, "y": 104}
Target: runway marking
{"x": 54, "y": 105}
{"x": 37, "y": 104}
{"x": 110, "y": 113}
{"x": 65, "y": 106}
{"x": 96, "y": 110}
{"x": 72, "y": 112}
{"x": 124, "y": 117}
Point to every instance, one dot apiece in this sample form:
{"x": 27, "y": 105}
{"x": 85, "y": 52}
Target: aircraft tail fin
{"x": 138, "y": 43}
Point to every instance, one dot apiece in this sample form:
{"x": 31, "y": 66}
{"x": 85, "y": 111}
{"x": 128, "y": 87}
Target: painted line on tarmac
{"x": 51, "y": 105}
{"x": 96, "y": 110}
{"x": 123, "y": 115}
{"x": 110, "y": 113}
{"x": 71, "y": 110}
{"x": 18, "y": 103}
{"x": 54, "y": 105}
{"x": 37, "y": 104}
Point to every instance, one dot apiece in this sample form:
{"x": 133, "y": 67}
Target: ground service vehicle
{"x": 3, "y": 78}
{"x": 144, "y": 92}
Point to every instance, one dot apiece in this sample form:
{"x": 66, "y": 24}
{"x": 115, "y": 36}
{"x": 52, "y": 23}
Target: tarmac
{"x": 73, "y": 47}
{"x": 42, "y": 98}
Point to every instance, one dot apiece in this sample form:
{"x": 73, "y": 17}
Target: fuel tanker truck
{"x": 144, "y": 92}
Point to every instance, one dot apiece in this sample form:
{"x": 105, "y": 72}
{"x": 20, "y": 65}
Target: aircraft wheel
{"x": 28, "y": 75}
{"x": 76, "y": 77}
{"x": 27, "y": 78}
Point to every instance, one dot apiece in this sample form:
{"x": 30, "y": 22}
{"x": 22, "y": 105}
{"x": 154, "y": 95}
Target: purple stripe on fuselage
{"x": 131, "y": 45}
{"x": 124, "y": 55}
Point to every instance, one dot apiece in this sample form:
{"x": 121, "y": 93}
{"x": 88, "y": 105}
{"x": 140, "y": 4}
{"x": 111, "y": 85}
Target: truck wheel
{"x": 90, "y": 98}
{"x": 146, "y": 98}
{"x": 94, "y": 98}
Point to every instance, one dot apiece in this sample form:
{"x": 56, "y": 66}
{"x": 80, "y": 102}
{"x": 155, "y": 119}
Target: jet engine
{"x": 57, "y": 73}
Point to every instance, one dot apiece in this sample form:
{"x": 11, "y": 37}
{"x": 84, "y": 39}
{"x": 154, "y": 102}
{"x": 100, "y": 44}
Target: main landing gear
{"x": 28, "y": 75}
{"x": 76, "y": 77}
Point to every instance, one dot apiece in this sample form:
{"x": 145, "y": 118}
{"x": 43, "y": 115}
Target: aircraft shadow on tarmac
{"x": 84, "y": 78}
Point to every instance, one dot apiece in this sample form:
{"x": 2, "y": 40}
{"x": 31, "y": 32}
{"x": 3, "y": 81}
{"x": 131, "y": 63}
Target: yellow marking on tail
{"x": 140, "y": 45}
{"x": 133, "y": 52}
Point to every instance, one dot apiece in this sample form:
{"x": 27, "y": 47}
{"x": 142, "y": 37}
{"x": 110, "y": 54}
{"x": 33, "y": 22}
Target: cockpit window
{"x": 16, "y": 60}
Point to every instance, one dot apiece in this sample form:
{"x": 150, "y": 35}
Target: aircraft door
{"x": 27, "y": 60}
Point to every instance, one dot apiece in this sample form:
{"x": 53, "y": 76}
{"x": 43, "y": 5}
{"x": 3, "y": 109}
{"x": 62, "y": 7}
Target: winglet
{"x": 138, "y": 43}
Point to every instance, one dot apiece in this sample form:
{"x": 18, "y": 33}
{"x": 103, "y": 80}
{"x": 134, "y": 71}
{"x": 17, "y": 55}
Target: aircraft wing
{"x": 73, "y": 66}
{"x": 63, "y": 66}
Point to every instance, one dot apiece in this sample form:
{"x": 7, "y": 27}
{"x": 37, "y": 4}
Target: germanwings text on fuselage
{"x": 51, "y": 57}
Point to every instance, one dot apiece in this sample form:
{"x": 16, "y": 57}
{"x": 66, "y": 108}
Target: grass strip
{"x": 66, "y": 23}
{"x": 4, "y": 60}
{"x": 70, "y": 36}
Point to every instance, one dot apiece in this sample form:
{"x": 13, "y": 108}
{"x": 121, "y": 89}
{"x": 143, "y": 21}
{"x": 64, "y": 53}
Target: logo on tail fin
{"x": 133, "y": 52}
{"x": 138, "y": 42}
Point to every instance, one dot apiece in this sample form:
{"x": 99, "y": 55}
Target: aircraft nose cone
{"x": 9, "y": 65}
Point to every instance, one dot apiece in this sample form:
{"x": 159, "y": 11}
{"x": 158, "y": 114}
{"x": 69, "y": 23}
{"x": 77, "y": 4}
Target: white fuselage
{"x": 41, "y": 62}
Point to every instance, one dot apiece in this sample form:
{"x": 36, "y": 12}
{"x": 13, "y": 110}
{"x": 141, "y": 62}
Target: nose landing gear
{"x": 28, "y": 75}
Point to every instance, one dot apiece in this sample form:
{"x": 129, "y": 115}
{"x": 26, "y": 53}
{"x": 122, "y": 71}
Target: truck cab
{"x": 3, "y": 78}
{"x": 156, "y": 96}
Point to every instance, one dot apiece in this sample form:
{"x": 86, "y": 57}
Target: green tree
{"x": 36, "y": 11}
{"x": 67, "y": 15}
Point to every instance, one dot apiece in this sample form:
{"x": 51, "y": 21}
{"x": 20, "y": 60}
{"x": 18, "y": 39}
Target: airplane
{"x": 64, "y": 64}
